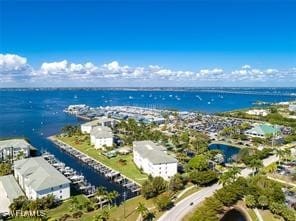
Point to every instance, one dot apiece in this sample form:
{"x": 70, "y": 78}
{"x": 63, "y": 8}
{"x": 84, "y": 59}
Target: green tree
{"x": 163, "y": 201}
{"x": 250, "y": 201}
{"x": 176, "y": 183}
{"x": 229, "y": 176}
{"x": 280, "y": 154}
{"x": 102, "y": 216}
{"x": 203, "y": 177}
{"x": 142, "y": 210}
{"x": 255, "y": 164}
{"x": 263, "y": 201}
{"x": 5, "y": 169}
{"x": 199, "y": 162}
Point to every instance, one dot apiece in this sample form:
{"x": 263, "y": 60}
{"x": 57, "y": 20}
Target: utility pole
{"x": 124, "y": 198}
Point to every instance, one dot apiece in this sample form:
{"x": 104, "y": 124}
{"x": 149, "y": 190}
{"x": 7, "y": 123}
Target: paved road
{"x": 183, "y": 207}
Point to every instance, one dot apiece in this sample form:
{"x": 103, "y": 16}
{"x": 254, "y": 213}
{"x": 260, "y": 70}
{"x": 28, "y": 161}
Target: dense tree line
{"x": 257, "y": 191}
{"x": 153, "y": 187}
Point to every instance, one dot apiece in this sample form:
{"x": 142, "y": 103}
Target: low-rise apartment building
{"x": 154, "y": 160}
{"x": 38, "y": 179}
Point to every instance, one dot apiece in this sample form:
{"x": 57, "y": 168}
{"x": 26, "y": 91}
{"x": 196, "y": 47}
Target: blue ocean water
{"x": 37, "y": 114}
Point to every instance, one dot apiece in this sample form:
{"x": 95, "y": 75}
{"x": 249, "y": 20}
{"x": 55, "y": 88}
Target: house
{"x": 38, "y": 179}
{"x": 14, "y": 148}
{"x": 9, "y": 190}
{"x": 292, "y": 107}
{"x": 101, "y": 136}
{"x": 263, "y": 130}
{"x": 258, "y": 112}
{"x": 102, "y": 121}
{"x": 154, "y": 160}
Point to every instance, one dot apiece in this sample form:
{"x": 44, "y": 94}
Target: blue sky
{"x": 180, "y": 36}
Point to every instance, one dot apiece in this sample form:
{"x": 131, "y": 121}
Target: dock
{"x": 112, "y": 175}
{"x": 78, "y": 181}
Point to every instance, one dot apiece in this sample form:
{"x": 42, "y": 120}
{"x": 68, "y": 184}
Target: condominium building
{"x": 102, "y": 121}
{"x": 14, "y": 149}
{"x": 38, "y": 179}
{"x": 258, "y": 112}
{"x": 154, "y": 160}
{"x": 9, "y": 190}
{"x": 101, "y": 137}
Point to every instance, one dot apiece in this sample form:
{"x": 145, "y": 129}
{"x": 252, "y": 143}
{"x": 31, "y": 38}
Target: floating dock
{"x": 78, "y": 181}
{"x": 113, "y": 175}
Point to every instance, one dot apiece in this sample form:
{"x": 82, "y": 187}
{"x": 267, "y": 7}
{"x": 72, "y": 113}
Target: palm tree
{"x": 74, "y": 204}
{"x": 111, "y": 196}
{"x": 235, "y": 171}
{"x": 255, "y": 164}
{"x": 287, "y": 154}
{"x": 12, "y": 208}
{"x": 142, "y": 210}
{"x": 229, "y": 176}
{"x": 115, "y": 195}
{"x": 224, "y": 178}
{"x": 102, "y": 216}
{"x": 250, "y": 201}
{"x": 280, "y": 154}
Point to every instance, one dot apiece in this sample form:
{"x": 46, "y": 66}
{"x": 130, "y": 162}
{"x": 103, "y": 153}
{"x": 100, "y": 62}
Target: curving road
{"x": 183, "y": 207}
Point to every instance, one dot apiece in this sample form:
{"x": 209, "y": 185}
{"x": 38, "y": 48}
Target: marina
{"x": 114, "y": 176}
{"x": 78, "y": 181}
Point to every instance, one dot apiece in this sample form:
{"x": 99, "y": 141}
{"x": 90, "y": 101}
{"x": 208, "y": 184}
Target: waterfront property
{"x": 101, "y": 137}
{"x": 9, "y": 190}
{"x": 263, "y": 130}
{"x": 121, "y": 163}
{"x": 102, "y": 121}
{"x": 14, "y": 148}
{"x": 38, "y": 179}
{"x": 154, "y": 160}
{"x": 258, "y": 112}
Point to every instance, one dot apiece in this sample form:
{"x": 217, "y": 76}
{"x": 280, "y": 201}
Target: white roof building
{"x": 154, "y": 160}
{"x": 38, "y": 179}
{"x": 292, "y": 107}
{"x": 258, "y": 112}
{"x": 9, "y": 190}
{"x": 14, "y": 148}
{"x": 102, "y": 121}
{"x": 101, "y": 136}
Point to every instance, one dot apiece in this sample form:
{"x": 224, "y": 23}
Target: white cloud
{"x": 11, "y": 62}
{"x": 246, "y": 66}
{"x": 14, "y": 68}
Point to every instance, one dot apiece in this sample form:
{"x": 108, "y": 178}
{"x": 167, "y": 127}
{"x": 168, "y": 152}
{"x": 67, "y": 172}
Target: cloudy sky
{"x": 147, "y": 43}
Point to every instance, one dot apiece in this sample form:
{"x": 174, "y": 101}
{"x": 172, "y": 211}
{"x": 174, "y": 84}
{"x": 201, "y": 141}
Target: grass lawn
{"x": 116, "y": 213}
{"x": 64, "y": 208}
{"x": 268, "y": 216}
{"x": 252, "y": 214}
{"x": 25, "y": 219}
{"x": 188, "y": 193}
{"x": 128, "y": 169}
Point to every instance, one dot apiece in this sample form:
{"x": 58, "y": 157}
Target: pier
{"x": 78, "y": 181}
{"x": 112, "y": 175}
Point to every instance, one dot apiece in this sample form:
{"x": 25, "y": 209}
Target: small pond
{"x": 233, "y": 215}
{"x": 227, "y": 150}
